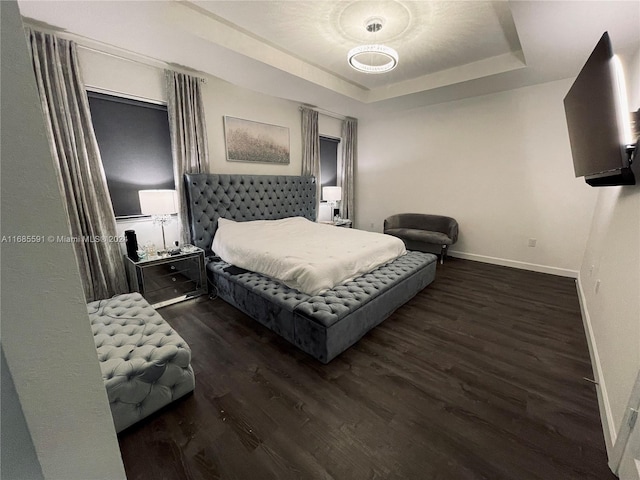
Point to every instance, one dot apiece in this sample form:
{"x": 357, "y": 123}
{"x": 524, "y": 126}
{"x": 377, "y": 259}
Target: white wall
{"x": 612, "y": 260}
{"x": 222, "y": 98}
{"x": 46, "y": 335}
{"x": 329, "y": 126}
{"x": 18, "y": 458}
{"x": 500, "y": 164}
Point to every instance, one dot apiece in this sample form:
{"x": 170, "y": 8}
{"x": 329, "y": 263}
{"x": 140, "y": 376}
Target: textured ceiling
{"x": 428, "y": 36}
{"x": 297, "y": 49}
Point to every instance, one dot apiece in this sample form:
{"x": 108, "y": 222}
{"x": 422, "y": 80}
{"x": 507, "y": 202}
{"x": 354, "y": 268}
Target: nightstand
{"x": 166, "y": 280}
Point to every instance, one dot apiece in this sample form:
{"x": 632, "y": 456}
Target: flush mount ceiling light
{"x": 373, "y": 58}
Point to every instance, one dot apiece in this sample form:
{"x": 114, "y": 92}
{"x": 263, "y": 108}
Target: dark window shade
{"x": 135, "y": 146}
{"x": 329, "y": 161}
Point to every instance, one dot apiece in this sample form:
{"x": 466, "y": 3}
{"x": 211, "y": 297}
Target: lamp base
{"x": 162, "y": 220}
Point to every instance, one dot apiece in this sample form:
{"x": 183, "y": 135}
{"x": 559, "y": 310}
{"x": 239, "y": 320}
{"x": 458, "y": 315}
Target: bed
{"x": 323, "y": 324}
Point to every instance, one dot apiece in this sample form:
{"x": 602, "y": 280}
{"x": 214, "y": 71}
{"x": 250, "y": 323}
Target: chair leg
{"x": 443, "y": 254}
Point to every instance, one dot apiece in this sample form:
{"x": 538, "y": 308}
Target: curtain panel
{"x": 188, "y": 136}
{"x": 311, "y": 148}
{"x": 75, "y": 153}
{"x": 349, "y": 159}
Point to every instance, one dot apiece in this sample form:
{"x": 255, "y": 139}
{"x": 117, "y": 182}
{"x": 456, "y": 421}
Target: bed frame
{"x": 324, "y": 325}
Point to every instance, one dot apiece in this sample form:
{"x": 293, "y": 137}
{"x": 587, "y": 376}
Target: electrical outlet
{"x": 532, "y": 242}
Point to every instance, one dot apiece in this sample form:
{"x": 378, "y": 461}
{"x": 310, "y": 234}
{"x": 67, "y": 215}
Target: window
{"x": 135, "y": 146}
{"x": 329, "y": 161}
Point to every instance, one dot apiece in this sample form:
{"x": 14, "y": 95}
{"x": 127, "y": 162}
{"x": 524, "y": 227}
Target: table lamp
{"x": 332, "y": 195}
{"x": 160, "y": 204}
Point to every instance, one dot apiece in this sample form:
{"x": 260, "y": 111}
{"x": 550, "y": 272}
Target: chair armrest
{"x": 452, "y": 231}
{"x": 391, "y": 222}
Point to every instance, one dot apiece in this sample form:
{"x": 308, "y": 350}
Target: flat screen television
{"x": 594, "y": 119}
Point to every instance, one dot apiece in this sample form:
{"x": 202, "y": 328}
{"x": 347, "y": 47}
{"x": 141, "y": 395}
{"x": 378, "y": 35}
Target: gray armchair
{"x": 423, "y": 232}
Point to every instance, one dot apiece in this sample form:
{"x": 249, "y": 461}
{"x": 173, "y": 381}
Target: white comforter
{"x": 304, "y": 255}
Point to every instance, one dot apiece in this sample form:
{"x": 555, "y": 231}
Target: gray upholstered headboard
{"x": 243, "y": 198}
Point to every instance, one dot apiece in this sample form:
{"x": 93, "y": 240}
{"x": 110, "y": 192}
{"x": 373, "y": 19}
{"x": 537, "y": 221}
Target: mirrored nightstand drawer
{"x": 166, "y": 280}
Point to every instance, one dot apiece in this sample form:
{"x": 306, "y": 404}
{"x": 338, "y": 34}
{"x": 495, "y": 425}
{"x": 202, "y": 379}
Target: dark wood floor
{"x": 480, "y": 376}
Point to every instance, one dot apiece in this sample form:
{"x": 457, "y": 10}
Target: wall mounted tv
{"x": 595, "y": 118}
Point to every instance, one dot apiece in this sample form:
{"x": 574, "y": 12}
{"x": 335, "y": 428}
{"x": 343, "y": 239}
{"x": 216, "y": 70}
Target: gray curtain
{"x": 311, "y": 148}
{"x": 188, "y": 136}
{"x": 349, "y": 159}
{"x": 80, "y": 174}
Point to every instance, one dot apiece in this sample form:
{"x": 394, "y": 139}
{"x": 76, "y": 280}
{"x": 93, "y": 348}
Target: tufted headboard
{"x": 243, "y": 198}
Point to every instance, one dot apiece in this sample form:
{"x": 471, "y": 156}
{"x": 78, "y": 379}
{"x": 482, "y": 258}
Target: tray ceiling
{"x": 430, "y": 37}
{"x": 297, "y": 49}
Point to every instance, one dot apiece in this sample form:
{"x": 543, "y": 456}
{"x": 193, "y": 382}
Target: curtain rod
{"x": 108, "y": 50}
{"x": 324, "y": 112}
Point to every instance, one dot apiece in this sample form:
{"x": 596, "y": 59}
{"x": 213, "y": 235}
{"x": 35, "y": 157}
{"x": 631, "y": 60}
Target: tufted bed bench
{"x": 324, "y": 325}
{"x": 145, "y": 364}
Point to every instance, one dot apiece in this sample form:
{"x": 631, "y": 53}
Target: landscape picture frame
{"x": 256, "y": 142}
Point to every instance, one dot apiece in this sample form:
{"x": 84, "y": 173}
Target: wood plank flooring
{"x": 480, "y": 376}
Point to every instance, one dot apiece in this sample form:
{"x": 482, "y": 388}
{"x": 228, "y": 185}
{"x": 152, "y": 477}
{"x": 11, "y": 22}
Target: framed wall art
{"x": 249, "y": 141}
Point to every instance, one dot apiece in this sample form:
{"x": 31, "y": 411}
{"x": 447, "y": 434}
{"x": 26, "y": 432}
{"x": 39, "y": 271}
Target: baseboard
{"x": 606, "y": 417}
{"x": 563, "y": 272}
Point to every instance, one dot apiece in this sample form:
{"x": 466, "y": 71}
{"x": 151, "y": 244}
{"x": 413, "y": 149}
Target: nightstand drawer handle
{"x": 173, "y": 279}
{"x": 173, "y": 267}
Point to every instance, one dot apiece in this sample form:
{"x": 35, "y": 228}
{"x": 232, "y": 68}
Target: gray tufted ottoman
{"x": 145, "y": 364}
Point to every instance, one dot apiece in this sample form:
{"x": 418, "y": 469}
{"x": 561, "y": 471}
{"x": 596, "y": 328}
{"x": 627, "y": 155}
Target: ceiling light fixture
{"x": 380, "y": 58}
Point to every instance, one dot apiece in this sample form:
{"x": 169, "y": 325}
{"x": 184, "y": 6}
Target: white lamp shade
{"x": 158, "y": 202}
{"x": 332, "y": 194}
